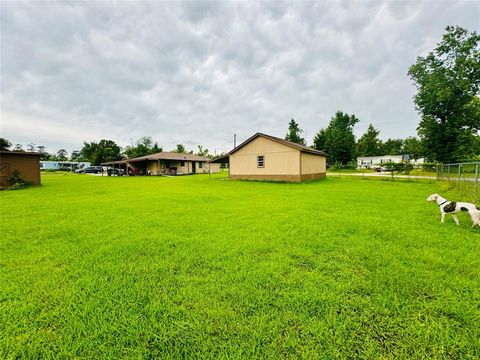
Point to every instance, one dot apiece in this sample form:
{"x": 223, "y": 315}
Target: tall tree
{"x": 143, "y": 146}
{"x": 43, "y": 151}
{"x": 31, "y": 147}
{"x": 202, "y": 152}
{"x": 75, "y": 156}
{"x": 294, "y": 132}
{"x": 5, "y": 144}
{"x": 338, "y": 137}
{"x": 392, "y": 147}
{"x": 448, "y": 82}
{"x": 62, "y": 155}
{"x": 180, "y": 149}
{"x": 319, "y": 140}
{"x": 369, "y": 144}
{"x": 413, "y": 146}
{"x": 103, "y": 151}
{"x": 18, "y": 147}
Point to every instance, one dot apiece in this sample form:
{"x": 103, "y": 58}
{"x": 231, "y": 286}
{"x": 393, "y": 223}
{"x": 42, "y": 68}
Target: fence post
{"x": 459, "y": 173}
{"x": 476, "y": 181}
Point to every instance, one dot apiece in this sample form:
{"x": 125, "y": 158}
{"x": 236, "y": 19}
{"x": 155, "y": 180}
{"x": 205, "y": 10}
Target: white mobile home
{"x": 366, "y": 162}
{"x": 63, "y": 165}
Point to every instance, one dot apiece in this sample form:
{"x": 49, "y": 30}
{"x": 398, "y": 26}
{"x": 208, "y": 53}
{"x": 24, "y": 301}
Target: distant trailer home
{"x": 367, "y": 162}
{"x": 164, "y": 163}
{"x": 265, "y": 157}
{"x": 27, "y": 164}
{"x": 63, "y": 165}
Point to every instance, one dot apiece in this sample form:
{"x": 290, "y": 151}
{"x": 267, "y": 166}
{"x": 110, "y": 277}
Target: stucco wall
{"x": 279, "y": 159}
{"x": 313, "y": 164}
{"x": 27, "y": 165}
{"x": 186, "y": 169}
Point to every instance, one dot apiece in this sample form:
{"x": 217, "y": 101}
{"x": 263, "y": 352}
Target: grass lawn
{"x": 187, "y": 267}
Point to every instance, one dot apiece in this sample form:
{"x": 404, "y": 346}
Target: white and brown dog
{"x": 452, "y": 207}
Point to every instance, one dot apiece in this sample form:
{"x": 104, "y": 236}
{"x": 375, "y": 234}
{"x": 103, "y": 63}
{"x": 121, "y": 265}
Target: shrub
{"x": 15, "y": 181}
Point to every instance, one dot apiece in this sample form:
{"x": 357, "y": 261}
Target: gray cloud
{"x": 195, "y": 73}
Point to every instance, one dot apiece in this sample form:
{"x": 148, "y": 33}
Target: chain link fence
{"x": 462, "y": 178}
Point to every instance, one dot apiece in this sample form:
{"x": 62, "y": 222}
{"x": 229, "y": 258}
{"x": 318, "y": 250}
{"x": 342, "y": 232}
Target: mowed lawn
{"x": 187, "y": 267}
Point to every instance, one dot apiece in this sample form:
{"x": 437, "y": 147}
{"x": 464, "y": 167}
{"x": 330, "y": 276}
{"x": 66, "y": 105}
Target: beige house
{"x": 165, "y": 163}
{"x": 265, "y": 157}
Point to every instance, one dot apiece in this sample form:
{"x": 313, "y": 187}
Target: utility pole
{"x": 234, "y": 141}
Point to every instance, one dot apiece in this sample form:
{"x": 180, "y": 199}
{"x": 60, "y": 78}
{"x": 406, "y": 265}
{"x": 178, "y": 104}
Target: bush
{"x": 15, "y": 181}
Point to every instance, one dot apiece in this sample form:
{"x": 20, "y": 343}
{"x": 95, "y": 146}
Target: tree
{"x": 180, "y": 149}
{"x": 143, "y": 146}
{"x": 62, "y": 155}
{"x": 103, "y": 151}
{"x": 369, "y": 144}
{"x": 338, "y": 138}
{"x": 44, "y": 154}
{"x": 319, "y": 140}
{"x": 75, "y": 156}
{"x": 392, "y": 147}
{"x": 18, "y": 147}
{"x": 448, "y": 82}
{"x": 31, "y": 147}
{"x": 413, "y": 146}
{"x": 202, "y": 152}
{"x": 294, "y": 132}
{"x": 5, "y": 144}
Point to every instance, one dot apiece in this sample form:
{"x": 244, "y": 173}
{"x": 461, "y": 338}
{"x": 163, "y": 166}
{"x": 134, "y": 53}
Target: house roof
{"x": 291, "y": 144}
{"x": 161, "y": 156}
{"x": 20, "y": 153}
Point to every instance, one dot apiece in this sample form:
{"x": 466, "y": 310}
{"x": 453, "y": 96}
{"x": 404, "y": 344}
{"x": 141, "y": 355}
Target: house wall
{"x": 27, "y": 165}
{"x": 153, "y": 167}
{"x": 313, "y": 166}
{"x": 282, "y": 163}
{"x": 214, "y": 167}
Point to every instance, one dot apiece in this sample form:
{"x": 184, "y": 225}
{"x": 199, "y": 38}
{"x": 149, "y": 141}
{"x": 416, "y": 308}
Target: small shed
{"x": 26, "y": 163}
{"x": 266, "y": 157}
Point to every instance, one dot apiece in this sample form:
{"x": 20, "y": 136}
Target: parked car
{"x": 114, "y": 171}
{"x": 90, "y": 170}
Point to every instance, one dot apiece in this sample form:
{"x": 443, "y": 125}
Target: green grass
{"x": 187, "y": 267}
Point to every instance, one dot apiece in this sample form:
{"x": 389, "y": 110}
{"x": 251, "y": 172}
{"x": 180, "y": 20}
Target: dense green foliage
{"x": 186, "y": 267}
{"x": 5, "y": 144}
{"x": 143, "y": 146}
{"x": 337, "y": 139}
{"x": 97, "y": 153}
{"x": 369, "y": 144}
{"x": 448, "y": 83}
{"x": 180, "y": 149}
{"x": 294, "y": 133}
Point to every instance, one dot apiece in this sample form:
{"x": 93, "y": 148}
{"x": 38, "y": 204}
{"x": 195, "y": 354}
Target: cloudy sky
{"x": 197, "y": 72}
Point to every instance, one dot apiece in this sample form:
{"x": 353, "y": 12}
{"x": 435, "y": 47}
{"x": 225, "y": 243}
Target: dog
{"x": 452, "y": 207}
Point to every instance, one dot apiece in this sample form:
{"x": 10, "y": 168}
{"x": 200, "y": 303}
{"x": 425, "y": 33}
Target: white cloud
{"x": 195, "y": 73}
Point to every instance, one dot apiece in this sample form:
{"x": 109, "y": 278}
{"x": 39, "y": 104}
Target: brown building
{"x": 26, "y": 163}
{"x": 265, "y": 157}
{"x": 165, "y": 163}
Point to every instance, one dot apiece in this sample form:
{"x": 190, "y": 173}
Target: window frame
{"x": 262, "y": 161}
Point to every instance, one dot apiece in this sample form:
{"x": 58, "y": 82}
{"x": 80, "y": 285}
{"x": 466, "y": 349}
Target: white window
{"x": 260, "y": 161}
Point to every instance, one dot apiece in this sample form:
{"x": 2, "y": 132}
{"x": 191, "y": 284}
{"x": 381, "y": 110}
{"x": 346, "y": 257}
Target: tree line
{"x": 448, "y": 84}
{"x": 102, "y": 151}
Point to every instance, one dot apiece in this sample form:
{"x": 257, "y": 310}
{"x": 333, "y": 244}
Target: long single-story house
{"x": 266, "y": 157}
{"x": 26, "y": 163}
{"x": 366, "y": 162}
{"x": 165, "y": 163}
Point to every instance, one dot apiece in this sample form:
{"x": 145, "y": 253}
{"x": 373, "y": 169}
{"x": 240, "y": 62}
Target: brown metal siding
{"x": 27, "y": 164}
